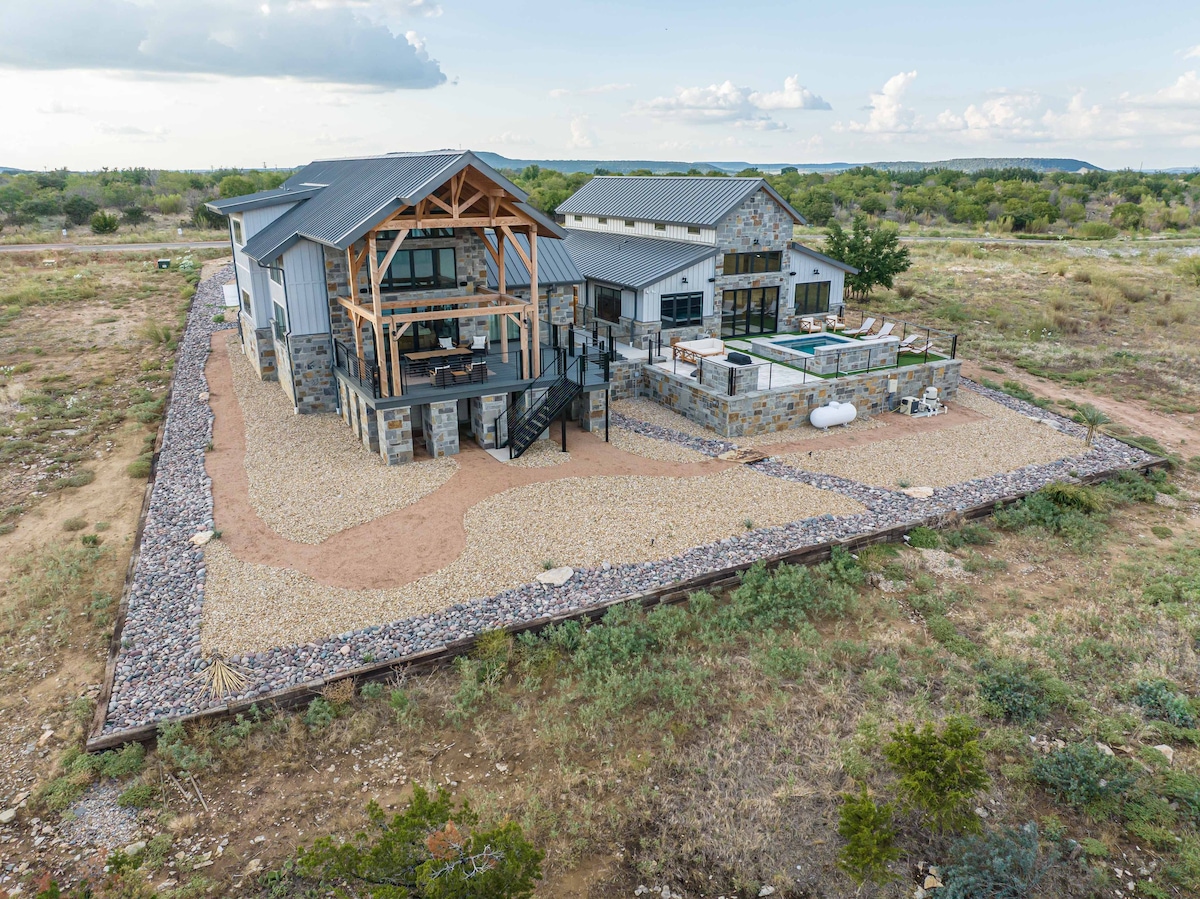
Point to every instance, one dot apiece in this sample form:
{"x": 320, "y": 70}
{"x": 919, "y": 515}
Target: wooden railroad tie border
{"x": 671, "y": 594}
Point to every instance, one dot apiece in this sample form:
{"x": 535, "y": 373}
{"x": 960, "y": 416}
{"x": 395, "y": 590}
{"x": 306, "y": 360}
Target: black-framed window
{"x": 680, "y": 309}
{"x": 629, "y": 223}
{"x": 417, "y": 233}
{"x": 812, "y": 298}
{"x": 659, "y": 226}
{"x": 608, "y": 303}
{"x": 279, "y": 320}
{"x": 693, "y": 229}
{"x": 578, "y": 218}
{"x": 237, "y": 231}
{"x": 753, "y": 263}
{"x": 752, "y": 310}
{"x": 602, "y": 221}
{"x": 420, "y": 269}
{"x": 246, "y": 300}
{"x": 276, "y": 270}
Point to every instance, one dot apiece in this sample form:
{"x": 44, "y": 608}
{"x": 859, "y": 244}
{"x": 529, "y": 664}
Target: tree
{"x": 1127, "y": 216}
{"x": 870, "y": 839}
{"x": 133, "y": 215}
{"x": 430, "y": 850}
{"x": 79, "y": 210}
{"x": 235, "y": 186}
{"x": 104, "y": 223}
{"x": 875, "y": 252}
{"x": 1092, "y": 418}
{"x": 815, "y": 204}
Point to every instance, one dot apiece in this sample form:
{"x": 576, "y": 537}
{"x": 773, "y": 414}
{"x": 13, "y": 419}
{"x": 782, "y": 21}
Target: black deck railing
{"x": 365, "y": 374}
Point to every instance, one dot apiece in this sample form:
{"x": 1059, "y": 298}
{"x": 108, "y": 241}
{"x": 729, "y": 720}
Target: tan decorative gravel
{"x": 342, "y": 485}
{"x": 649, "y": 448}
{"x": 1006, "y": 441}
{"x": 509, "y": 538}
{"x": 542, "y": 454}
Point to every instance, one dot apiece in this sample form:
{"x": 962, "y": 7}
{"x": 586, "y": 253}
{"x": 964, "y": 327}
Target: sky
{"x": 216, "y": 83}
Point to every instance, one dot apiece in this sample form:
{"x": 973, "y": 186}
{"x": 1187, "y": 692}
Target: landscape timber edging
{"x": 670, "y": 594}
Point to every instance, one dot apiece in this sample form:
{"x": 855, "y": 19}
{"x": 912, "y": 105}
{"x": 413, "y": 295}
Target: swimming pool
{"x": 808, "y": 343}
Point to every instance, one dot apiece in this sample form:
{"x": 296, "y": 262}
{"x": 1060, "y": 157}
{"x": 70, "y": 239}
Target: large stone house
{"x": 687, "y": 257}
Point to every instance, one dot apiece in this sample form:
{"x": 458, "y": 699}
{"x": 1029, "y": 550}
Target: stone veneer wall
{"x": 714, "y": 374}
{"x": 487, "y": 418}
{"x": 827, "y": 360}
{"x": 395, "y": 435}
{"x": 439, "y": 424}
{"x": 767, "y": 411}
{"x": 259, "y": 347}
{"x": 311, "y": 373}
{"x": 760, "y": 218}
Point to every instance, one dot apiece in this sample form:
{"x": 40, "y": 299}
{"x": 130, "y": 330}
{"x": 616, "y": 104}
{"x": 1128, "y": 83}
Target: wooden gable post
{"x": 377, "y": 316}
{"x": 533, "y": 296}
{"x": 502, "y": 289}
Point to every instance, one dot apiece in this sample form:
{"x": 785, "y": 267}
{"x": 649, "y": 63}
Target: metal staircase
{"x": 527, "y": 418}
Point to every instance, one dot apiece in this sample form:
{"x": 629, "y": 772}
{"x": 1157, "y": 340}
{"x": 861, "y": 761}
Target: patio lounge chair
{"x": 919, "y": 350}
{"x": 910, "y": 340}
{"x": 809, "y": 325}
{"x": 441, "y": 376}
{"x": 861, "y": 330}
{"x": 883, "y": 332}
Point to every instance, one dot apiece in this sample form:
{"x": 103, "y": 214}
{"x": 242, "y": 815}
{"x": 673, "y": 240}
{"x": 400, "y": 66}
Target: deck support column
{"x": 439, "y": 422}
{"x": 487, "y": 420}
{"x": 395, "y": 435}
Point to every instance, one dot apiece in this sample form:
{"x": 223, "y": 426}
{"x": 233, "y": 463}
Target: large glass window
{"x": 753, "y": 263}
{"x": 751, "y": 311}
{"x": 279, "y": 320}
{"x": 608, "y": 303}
{"x": 237, "y": 231}
{"x": 679, "y": 309}
{"x": 422, "y": 269}
{"x": 812, "y": 298}
{"x": 276, "y": 270}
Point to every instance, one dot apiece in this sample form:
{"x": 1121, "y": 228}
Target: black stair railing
{"x": 526, "y": 418}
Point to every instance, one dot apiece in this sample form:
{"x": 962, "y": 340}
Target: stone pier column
{"x": 439, "y": 421}
{"x": 485, "y": 410}
{"x": 591, "y": 413}
{"x": 395, "y": 435}
{"x": 369, "y": 429}
{"x": 347, "y": 406}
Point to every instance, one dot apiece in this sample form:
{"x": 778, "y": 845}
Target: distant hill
{"x": 5, "y": 170}
{"x": 1039, "y": 164}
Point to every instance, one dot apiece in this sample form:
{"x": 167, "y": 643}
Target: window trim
{"x": 695, "y": 310}
{"x": 578, "y": 218}
{"x": 693, "y": 229}
{"x": 610, "y": 294}
{"x": 803, "y": 287}
{"x": 279, "y": 321}
{"x": 659, "y": 226}
{"x": 748, "y": 263}
{"x": 392, "y": 284}
{"x": 246, "y": 304}
{"x": 276, "y": 270}
{"x": 601, "y": 220}
{"x": 235, "y": 227}
{"x": 630, "y": 223}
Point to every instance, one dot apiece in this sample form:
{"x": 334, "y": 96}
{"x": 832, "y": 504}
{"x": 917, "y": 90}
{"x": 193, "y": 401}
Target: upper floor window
{"x": 276, "y": 270}
{"x": 752, "y": 263}
{"x": 246, "y": 300}
{"x": 420, "y": 270}
{"x": 660, "y": 227}
{"x": 578, "y": 218}
{"x": 693, "y": 229}
{"x": 237, "y": 231}
{"x": 417, "y": 233}
{"x": 629, "y": 223}
{"x": 601, "y": 221}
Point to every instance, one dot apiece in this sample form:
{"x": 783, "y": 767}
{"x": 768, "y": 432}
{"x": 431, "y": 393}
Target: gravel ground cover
{"x": 1007, "y": 440}
{"x": 342, "y": 486}
{"x": 511, "y": 538}
{"x": 160, "y": 655}
{"x": 542, "y": 454}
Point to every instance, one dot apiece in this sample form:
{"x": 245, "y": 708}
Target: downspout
{"x": 287, "y": 335}
{"x": 337, "y": 402}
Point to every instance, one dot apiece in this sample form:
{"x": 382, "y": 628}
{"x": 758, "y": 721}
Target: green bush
{"x": 1005, "y": 864}
{"x": 138, "y": 796}
{"x": 319, "y": 714}
{"x": 1159, "y": 699}
{"x": 431, "y": 850}
{"x": 940, "y": 771}
{"x": 104, "y": 223}
{"x": 372, "y": 690}
{"x": 79, "y": 210}
{"x": 140, "y": 467}
{"x": 133, "y": 215}
{"x": 174, "y": 748}
{"x": 870, "y": 839}
{"x": 1097, "y": 231}
{"x": 924, "y": 538}
{"x": 1013, "y": 691}
{"x": 974, "y": 534}
{"x": 1083, "y": 775}
{"x": 125, "y": 763}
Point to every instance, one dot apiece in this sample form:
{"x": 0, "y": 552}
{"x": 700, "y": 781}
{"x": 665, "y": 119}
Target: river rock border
{"x": 158, "y": 672}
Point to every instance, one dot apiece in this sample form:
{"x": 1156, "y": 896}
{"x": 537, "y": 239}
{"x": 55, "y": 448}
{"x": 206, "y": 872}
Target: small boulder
{"x": 136, "y": 848}
{"x": 202, "y": 538}
{"x": 1167, "y": 752}
{"x": 556, "y": 577}
{"x": 254, "y": 867}
{"x": 7, "y": 816}
{"x": 1105, "y": 749}
{"x": 932, "y": 882}
{"x": 918, "y": 492}
{"x": 766, "y": 891}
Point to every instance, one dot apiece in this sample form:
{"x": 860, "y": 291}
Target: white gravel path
{"x": 1006, "y": 441}
{"x": 343, "y": 484}
{"x": 510, "y": 538}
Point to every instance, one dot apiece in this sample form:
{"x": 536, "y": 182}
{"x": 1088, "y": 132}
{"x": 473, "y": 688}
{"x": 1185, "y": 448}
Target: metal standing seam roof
{"x": 554, "y": 264}
{"x": 679, "y": 200}
{"x": 836, "y": 263}
{"x": 350, "y": 196}
{"x": 631, "y": 261}
{"x": 263, "y": 198}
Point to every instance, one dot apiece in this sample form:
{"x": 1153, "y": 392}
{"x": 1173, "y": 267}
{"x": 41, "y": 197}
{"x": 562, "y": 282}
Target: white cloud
{"x": 1185, "y": 92}
{"x": 793, "y": 96}
{"x": 582, "y": 137}
{"x": 134, "y": 133}
{"x": 1192, "y": 52}
{"x": 509, "y": 138}
{"x": 727, "y": 103}
{"x": 889, "y": 115}
{"x": 312, "y": 40}
{"x": 377, "y": 10}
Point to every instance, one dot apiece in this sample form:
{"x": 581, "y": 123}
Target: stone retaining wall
{"x": 259, "y": 347}
{"x": 828, "y": 360}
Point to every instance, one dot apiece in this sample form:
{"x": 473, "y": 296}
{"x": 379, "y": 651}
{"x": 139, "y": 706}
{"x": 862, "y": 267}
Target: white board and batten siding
{"x": 811, "y": 269}
{"x": 251, "y": 277}
{"x": 307, "y": 291}
{"x": 697, "y": 277}
{"x": 640, "y": 228}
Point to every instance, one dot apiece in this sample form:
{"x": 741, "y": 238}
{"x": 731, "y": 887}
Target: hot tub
{"x": 827, "y": 354}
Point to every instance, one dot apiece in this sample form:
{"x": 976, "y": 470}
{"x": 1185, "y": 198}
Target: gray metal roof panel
{"x": 263, "y": 198}
{"x": 685, "y": 200}
{"x": 554, "y": 263}
{"x": 836, "y": 263}
{"x": 630, "y": 261}
{"x": 360, "y": 193}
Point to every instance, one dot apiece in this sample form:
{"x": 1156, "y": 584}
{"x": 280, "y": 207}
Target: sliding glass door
{"x": 752, "y": 310}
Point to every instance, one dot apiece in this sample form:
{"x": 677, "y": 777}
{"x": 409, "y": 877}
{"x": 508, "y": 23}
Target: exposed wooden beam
{"x": 533, "y": 296}
{"x": 447, "y": 221}
{"x": 487, "y": 245}
{"x": 454, "y": 313}
{"x": 391, "y": 253}
{"x": 517, "y": 246}
{"x": 377, "y": 309}
{"x": 449, "y": 207}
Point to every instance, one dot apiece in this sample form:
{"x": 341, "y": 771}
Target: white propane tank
{"x": 834, "y": 414}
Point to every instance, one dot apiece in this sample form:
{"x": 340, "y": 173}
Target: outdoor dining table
{"x": 419, "y": 363}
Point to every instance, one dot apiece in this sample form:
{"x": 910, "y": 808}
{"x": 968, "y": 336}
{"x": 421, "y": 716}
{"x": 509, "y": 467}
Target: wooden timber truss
{"x": 467, "y": 200}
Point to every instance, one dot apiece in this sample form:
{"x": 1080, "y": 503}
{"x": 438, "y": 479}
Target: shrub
{"x": 905, "y": 291}
{"x": 74, "y": 524}
{"x": 175, "y": 748}
{"x": 870, "y": 839}
{"x": 133, "y": 215}
{"x": 138, "y": 796}
{"x": 170, "y": 204}
{"x": 431, "y": 849}
{"x": 939, "y": 771}
{"x": 1097, "y": 231}
{"x": 973, "y": 534}
{"x": 372, "y": 690}
{"x": 1083, "y": 775}
{"x": 1159, "y": 699}
{"x": 104, "y": 223}
{"x": 1013, "y": 691}
{"x": 79, "y": 210}
{"x": 126, "y": 762}
{"x": 320, "y": 714}
{"x": 140, "y": 467}
{"x": 1189, "y": 270}
{"x": 1004, "y": 864}
{"x": 924, "y": 538}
